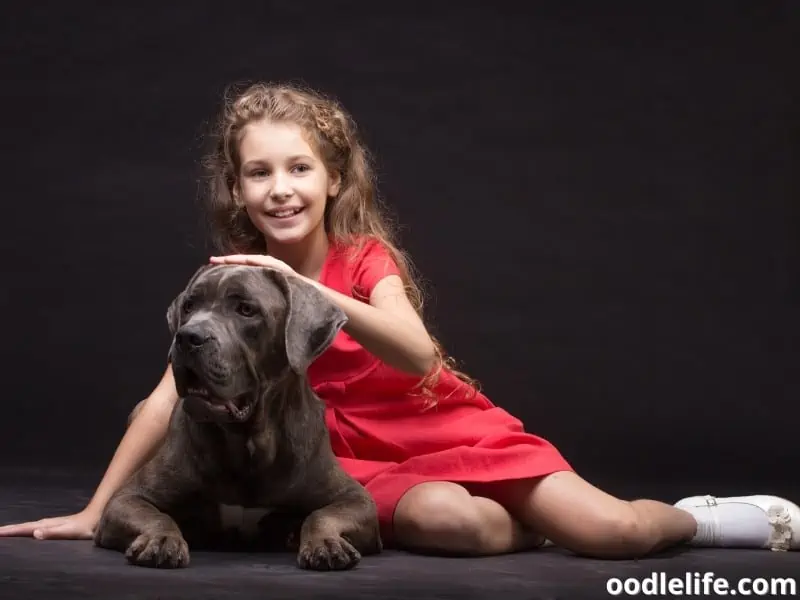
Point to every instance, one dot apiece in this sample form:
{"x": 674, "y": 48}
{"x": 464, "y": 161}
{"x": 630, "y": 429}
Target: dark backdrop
{"x": 601, "y": 198}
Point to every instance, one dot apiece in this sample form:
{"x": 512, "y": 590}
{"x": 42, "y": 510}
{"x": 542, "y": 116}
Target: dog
{"x": 247, "y": 431}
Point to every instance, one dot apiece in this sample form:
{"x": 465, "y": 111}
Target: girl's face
{"x": 283, "y": 184}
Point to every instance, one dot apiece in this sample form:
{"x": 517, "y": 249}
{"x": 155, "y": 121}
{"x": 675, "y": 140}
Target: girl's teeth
{"x": 285, "y": 213}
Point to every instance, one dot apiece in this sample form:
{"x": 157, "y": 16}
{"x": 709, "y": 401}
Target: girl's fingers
{"x": 28, "y": 529}
{"x": 70, "y": 530}
{"x": 243, "y": 259}
{"x": 253, "y": 260}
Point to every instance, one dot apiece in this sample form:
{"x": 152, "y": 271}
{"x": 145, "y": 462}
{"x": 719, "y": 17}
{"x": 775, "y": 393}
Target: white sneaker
{"x": 744, "y": 522}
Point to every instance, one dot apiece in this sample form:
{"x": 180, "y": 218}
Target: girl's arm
{"x": 388, "y": 326}
{"x": 141, "y": 440}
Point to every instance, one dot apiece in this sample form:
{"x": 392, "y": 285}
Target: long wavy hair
{"x": 353, "y": 217}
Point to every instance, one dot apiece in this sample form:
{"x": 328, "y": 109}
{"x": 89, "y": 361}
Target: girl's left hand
{"x": 254, "y": 260}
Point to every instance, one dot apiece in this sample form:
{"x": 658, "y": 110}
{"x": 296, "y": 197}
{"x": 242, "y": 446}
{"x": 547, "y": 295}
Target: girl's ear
{"x": 334, "y": 184}
{"x": 237, "y": 199}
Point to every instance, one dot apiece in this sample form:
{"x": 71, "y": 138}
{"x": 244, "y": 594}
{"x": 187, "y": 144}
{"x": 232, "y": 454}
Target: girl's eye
{"x": 302, "y": 168}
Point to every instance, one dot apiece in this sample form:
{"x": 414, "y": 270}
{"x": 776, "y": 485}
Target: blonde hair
{"x": 353, "y": 217}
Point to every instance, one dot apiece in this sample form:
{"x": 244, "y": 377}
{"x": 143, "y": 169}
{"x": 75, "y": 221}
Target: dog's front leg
{"x": 334, "y": 537}
{"x": 148, "y": 537}
{"x": 139, "y": 519}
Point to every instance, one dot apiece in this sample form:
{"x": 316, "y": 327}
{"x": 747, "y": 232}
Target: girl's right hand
{"x": 79, "y": 526}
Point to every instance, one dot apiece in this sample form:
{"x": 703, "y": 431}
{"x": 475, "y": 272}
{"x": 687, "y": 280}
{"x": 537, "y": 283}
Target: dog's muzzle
{"x": 206, "y": 386}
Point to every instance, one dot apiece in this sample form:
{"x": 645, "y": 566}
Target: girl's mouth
{"x": 284, "y": 213}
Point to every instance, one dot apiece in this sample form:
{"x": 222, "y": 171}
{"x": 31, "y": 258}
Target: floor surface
{"x": 32, "y": 569}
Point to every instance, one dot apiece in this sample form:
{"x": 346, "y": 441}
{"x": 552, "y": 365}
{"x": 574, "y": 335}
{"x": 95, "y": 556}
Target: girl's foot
{"x": 744, "y": 522}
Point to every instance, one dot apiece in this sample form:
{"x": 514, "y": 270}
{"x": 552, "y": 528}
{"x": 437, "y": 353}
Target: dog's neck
{"x": 273, "y": 395}
{"x": 282, "y": 408}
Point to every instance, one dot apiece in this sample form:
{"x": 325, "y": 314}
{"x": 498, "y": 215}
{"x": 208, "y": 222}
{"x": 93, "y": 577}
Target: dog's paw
{"x": 328, "y": 554}
{"x": 159, "y": 551}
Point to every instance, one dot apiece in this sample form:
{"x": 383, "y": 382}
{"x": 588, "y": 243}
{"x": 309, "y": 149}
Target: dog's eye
{"x": 188, "y": 305}
{"x": 245, "y": 309}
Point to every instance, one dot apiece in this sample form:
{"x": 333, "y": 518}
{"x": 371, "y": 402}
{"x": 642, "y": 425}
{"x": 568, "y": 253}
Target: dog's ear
{"x": 174, "y": 313}
{"x": 174, "y": 309}
{"x": 312, "y": 321}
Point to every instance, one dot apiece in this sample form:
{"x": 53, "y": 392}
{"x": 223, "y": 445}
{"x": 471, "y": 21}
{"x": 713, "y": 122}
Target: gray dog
{"x": 248, "y": 431}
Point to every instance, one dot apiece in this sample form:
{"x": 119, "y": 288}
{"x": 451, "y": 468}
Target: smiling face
{"x": 283, "y": 183}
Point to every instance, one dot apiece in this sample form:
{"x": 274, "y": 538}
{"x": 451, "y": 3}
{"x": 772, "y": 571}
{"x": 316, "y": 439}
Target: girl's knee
{"x": 619, "y": 533}
{"x": 577, "y": 516}
{"x": 439, "y": 516}
{"x": 624, "y": 528}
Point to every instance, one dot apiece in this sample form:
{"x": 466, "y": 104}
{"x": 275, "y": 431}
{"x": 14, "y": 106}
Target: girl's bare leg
{"x": 442, "y": 517}
{"x": 576, "y": 515}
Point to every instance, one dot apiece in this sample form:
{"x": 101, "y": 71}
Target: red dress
{"x": 381, "y": 431}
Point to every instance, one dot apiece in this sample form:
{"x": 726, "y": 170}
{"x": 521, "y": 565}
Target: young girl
{"x": 292, "y": 189}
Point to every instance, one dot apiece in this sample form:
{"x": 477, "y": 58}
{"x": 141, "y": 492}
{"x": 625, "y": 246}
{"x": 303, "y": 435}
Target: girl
{"x": 292, "y": 189}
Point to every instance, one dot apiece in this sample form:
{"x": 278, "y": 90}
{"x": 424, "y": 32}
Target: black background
{"x": 601, "y": 197}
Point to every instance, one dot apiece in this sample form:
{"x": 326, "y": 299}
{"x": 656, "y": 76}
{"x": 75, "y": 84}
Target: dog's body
{"x": 248, "y": 431}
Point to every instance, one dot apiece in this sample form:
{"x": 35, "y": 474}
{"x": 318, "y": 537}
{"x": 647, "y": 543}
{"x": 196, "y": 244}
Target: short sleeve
{"x": 372, "y": 264}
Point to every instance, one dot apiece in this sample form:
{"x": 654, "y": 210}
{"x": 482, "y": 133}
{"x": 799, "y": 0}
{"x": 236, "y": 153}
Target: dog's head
{"x": 236, "y": 327}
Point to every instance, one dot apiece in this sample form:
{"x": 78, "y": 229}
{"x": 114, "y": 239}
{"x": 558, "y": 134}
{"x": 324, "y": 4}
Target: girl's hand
{"x": 255, "y": 260}
{"x": 79, "y": 526}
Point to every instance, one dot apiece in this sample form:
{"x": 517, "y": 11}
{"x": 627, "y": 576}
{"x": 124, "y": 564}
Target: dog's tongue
{"x": 235, "y": 411}
{"x": 240, "y": 414}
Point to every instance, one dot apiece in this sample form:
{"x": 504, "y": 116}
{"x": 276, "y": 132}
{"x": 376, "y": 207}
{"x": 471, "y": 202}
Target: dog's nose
{"x": 189, "y": 339}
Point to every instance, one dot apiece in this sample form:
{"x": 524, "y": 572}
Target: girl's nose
{"x": 280, "y": 186}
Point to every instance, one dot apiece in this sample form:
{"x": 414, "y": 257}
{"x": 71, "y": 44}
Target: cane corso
{"x": 248, "y": 430}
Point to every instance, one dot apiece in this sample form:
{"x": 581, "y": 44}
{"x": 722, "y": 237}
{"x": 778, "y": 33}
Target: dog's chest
{"x": 248, "y": 479}
{"x": 240, "y": 519}
{"x": 244, "y": 454}
{"x": 246, "y": 500}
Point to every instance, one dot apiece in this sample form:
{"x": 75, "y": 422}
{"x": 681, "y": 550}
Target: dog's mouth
{"x": 233, "y": 407}
{"x": 236, "y": 407}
